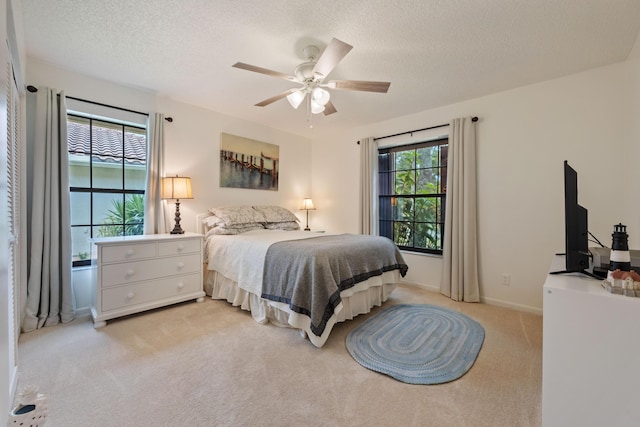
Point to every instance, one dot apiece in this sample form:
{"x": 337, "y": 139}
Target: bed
{"x": 257, "y": 258}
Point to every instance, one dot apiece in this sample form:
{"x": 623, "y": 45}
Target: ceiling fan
{"x": 311, "y": 75}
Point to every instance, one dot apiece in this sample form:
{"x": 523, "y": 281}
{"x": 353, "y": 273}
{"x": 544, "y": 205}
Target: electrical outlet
{"x": 506, "y": 279}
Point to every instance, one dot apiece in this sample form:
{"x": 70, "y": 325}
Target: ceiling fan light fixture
{"x": 321, "y": 96}
{"x": 316, "y": 108}
{"x": 296, "y": 98}
{"x": 311, "y": 75}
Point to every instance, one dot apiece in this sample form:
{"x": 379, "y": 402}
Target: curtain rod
{"x": 473, "y": 119}
{"x": 34, "y": 89}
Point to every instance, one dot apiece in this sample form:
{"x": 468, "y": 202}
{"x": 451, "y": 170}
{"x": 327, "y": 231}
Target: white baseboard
{"x": 514, "y": 306}
{"x": 83, "y": 312}
{"x": 485, "y": 300}
{"x": 423, "y": 286}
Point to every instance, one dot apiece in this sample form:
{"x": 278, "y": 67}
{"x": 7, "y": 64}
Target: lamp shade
{"x": 296, "y": 98}
{"x": 316, "y": 108}
{"x": 321, "y": 96}
{"x": 307, "y": 204}
{"x": 176, "y": 187}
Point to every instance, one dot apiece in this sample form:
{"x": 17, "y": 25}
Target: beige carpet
{"x": 210, "y": 364}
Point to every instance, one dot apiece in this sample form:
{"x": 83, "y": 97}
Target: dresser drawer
{"x": 179, "y": 247}
{"x": 128, "y": 252}
{"x": 128, "y": 272}
{"x": 144, "y": 292}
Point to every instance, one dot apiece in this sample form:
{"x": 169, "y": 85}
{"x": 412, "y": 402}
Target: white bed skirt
{"x": 357, "y": 300}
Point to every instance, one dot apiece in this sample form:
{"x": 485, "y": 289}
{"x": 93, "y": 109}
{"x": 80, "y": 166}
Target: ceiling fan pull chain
{"x": 309, "y": 111}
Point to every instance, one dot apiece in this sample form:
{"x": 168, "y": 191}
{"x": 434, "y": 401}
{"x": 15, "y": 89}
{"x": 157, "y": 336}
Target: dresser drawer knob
{"x": 180, "y": 265}
{"x": 130, "y": 295}
{"x": 130, "y": 273}
{"x": 130, "y": 252}
{"x": 180, "y": 248}
{"x": 180, "y": 285}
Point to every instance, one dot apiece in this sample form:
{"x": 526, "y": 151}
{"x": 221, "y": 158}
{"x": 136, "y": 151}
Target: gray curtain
{"x": 460, "y": 251}
{"x": 154, "y": 215}
{"x": 50, "y": 298}
{"x": 368, "y": 183}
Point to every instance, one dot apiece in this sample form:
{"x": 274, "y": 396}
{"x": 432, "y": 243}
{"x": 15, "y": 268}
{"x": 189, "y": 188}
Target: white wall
{"x": 523, "y": 136}
{"x": 192, "y": 144}
{"x": 632, "y": 151}
{"x": 193, "y": 149}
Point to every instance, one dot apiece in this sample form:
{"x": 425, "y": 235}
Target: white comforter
{"x": 230, "y": 255}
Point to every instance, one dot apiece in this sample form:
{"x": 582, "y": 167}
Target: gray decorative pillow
{"x": 238, "y": 215}
{"x": 288, "y": 226}
{"x": 276, "y": 214}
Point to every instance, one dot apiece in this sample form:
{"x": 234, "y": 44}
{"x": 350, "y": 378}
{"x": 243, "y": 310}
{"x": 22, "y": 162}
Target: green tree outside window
{"x": 129, "y": 215}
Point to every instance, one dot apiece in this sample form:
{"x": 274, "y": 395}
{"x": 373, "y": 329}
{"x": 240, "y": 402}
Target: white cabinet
{"x": 590, "y": 353}
{"x": 136, "y": 273}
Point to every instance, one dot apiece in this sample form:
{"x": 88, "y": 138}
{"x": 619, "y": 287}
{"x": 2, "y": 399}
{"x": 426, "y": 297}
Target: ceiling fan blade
{"x": 261, "y": 70}
{"x": 335, "y": 51}
{"x": 275, "y": 98}
{"x": 329, "y": 109}
{"x": 365, "y": 86}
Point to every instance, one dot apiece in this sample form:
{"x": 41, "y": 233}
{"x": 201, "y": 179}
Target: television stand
{"x": 585, "y": 272}
{"x": 576, "y": 266}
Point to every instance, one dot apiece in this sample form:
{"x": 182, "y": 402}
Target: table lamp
{"x": 307, "y": 205}
{"x": 177, "y": 187}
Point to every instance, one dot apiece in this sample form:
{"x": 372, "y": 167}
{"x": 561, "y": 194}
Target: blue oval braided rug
{"x": 417, "y": 343}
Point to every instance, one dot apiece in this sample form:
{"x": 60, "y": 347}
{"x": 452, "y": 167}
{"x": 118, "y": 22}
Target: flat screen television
{"x": 576, "y": 228}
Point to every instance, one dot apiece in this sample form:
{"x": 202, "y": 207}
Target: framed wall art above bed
{"x": 248, "y": 163}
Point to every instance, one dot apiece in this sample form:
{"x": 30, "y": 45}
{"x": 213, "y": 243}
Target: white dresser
{"x": 136, "y": 273}
{"x": 590, "y": 353}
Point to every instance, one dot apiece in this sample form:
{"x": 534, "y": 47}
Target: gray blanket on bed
{"x": 309, "y": 274}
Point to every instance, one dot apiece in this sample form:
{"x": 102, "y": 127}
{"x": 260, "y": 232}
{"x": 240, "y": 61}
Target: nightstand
{"x": 131, "y": 274}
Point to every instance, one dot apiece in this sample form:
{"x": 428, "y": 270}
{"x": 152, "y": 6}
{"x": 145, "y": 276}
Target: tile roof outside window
{"x": 107, "y": 142}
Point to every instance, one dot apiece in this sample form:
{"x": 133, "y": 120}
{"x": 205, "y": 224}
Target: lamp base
{"x": 177, "y": 229}
{"x": 307, "y": 227}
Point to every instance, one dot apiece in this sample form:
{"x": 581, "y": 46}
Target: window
{"x": 107, "y": 173}
{"x": 412, "y": 191}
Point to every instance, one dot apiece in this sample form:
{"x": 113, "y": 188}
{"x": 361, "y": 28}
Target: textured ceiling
{"x": 434, "y": 52}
